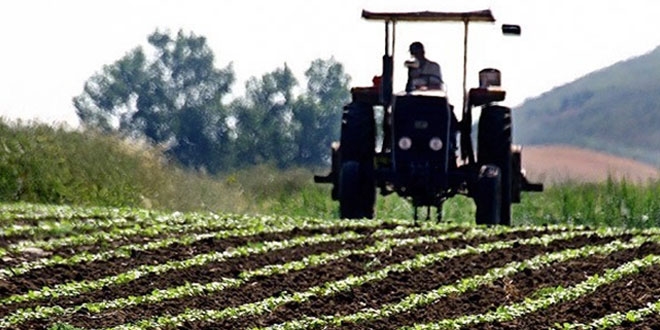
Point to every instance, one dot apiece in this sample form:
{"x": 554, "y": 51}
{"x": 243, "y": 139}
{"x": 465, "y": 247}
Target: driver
{"x": 422, "y": 72}
{"x": 425, "y": 74}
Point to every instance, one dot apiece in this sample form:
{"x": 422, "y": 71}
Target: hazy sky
{"x": 50, "y": 48}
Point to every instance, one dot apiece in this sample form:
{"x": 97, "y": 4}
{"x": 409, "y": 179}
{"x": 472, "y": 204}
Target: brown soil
{"x": 16, "y": 258}
{"x": 253, "y": 291}
{"x": 506, "y": 291}
{"x": 399, "y": 285}
{"x": 50, "y": 276}
{"x": 652, "y": 322}
{"x": 557, "y": 163}
{"x": 631, "y": 293}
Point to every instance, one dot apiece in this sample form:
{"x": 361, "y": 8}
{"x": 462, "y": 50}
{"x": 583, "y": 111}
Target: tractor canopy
{"x": 392, "y": 18}
{"x": 431, "y": 16}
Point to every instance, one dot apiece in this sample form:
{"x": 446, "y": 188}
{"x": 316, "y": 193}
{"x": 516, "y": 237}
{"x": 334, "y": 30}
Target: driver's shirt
{"x": 426, "y": 75}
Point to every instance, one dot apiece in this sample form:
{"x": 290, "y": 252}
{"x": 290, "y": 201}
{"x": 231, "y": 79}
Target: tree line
{"x": 174, "y": 99}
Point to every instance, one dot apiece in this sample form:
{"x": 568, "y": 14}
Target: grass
{"x": 53, "y": 165}
{"x": 609, "y": 203}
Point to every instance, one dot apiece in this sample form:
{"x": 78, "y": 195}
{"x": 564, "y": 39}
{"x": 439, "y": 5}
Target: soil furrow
{"x": 15, "y": 258}
{"x": 261, "y": 288}
{"x": 651, "y": 322}
{"x": 203, "y": 274}
{"x": 506, "y": 291}
{"x": 400, "y": 285}
{"x": 50, "y": 276}
{"x": 631, "y": 292}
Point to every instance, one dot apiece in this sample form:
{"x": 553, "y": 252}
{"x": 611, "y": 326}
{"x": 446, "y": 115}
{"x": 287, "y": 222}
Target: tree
{"x": 107, "y": 96}
{"x": 172, "y": 100}
{"x": 263, "y": 119}
{"x": 317, "y": 114}
{"x": 274, "y": 126}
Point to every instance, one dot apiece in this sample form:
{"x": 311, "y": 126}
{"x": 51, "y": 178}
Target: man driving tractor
{"x": 422, "y": 72}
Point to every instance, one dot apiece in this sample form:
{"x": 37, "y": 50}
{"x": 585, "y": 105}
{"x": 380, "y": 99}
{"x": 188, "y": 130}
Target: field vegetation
{"x": 46, "y": 165}
{"x": 99, "y": 231}
{"x": 123, "y": 268}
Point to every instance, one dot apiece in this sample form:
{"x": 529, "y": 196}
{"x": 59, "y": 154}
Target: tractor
{"x": 426, "y": 155}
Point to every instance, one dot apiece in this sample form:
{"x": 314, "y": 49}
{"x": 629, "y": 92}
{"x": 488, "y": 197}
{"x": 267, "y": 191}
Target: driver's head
{"x": 417, "y": 49}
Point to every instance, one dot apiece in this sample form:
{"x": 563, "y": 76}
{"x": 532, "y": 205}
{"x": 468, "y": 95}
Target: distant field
{"x": 556, "y": 164}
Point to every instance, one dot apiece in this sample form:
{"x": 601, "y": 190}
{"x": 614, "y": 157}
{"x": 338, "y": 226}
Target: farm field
{"x": 554, "y": 164}
{"x": 70, "y": 268}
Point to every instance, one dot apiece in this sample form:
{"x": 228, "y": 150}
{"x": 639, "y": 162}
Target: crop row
{"x": 10, "y": 212}
{"x": 545, "y": 298}
{"x": 125, "y": 251}
{"x": 617, "y": 319}
{"x": 44, "y": 220}
{"x": 55, "y": 221}
{"x": 465, "y": 285}
{"x": 160, "y": 229}
{"x": 75, "y": 288}
{"x": 332, "y": 288}
{"x": 166, "y": 233}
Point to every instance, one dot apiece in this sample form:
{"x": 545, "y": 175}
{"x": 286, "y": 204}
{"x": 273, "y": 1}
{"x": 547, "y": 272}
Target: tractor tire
{"x": 357, "y": 185}
{"x": 357, "y": 191}
{"x": 494, "y": 148}
{"x": 358, "y": 133}
{"x": 488, "y": 197}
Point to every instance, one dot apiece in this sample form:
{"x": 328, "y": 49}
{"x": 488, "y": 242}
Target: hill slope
{"x": 615, "y": 109}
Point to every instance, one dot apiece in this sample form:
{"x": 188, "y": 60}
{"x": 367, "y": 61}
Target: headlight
{"x": 435, "y": 144}
{"x": 405, "y": 143}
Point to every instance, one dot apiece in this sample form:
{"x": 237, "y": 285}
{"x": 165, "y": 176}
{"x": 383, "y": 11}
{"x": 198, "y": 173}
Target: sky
{"x": 50, "y": 48}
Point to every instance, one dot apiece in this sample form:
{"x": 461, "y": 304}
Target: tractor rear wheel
{"x": 356, "y": 192}
{"x": 357, "y": 187}
{"x": 358, "y": 133}
{"x": 488, "y": 196}
{"x": 494, "y": 147}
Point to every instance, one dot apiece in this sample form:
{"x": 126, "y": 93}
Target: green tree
{"x": 173, "y": 100}
{"x": 274, "y": 126}
{"x": 317, "y": 113}
{"x": 263, "y": 119}
{"x": 108, "y": 96}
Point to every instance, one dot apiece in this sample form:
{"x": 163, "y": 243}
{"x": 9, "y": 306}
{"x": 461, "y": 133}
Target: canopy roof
{"x": 431, "y": 16}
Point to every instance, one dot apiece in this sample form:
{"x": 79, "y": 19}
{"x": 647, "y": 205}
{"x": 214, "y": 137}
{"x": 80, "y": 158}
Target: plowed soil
{"x": 558, "y": 163}
{"x": 632, "y": 292}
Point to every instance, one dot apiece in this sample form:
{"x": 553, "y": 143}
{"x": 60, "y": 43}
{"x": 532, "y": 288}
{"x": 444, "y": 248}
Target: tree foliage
{"x": 274, "y": 126}
{"x": 175, "y": 100}
{"x": 263, "y": 129}
{"x": 318, "y": 112}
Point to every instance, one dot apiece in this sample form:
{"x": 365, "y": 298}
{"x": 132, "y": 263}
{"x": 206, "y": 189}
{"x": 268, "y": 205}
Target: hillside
{"x": 615, "y": 109}
{"x": 558, "y": 163}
